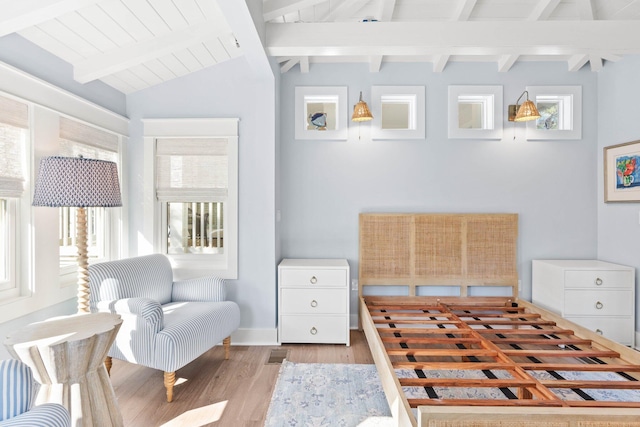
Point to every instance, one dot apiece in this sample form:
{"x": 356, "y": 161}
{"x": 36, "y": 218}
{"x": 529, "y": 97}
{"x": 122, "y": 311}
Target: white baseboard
{"x": 246, "y": 336}
{"x": 637, "y": 341}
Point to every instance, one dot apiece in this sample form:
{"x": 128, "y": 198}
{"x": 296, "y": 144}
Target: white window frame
{"x": 109, "y": 241}
{"x": 492, "y": 116}
{"x": 224, "y": 265}
{"x": 414, "y": 96}
{"x": 570, "y": 102}
{"x": 18, "y": 223}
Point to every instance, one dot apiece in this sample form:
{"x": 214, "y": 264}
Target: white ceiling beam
{"x": 273, "y": 9}
{"x": 375, "y": 62}
{"x": 385, "y": 13}
{"x": 595, "y": 62}
{"x": 345, "y": 9}
{"x": 585, "y": 10}
{"x": 506, "y": 62}
{"x": 20, "y": 14}
{"x": 543, "y": 9}
{"x": 453, "y": 38}
{"x": 304, "y": 64}
{"x": 440, "y": 62}
{"x": 289, "y": 65}
{"x": 385, "y": 10}
{"x": 464, "y": 10}
{"x": 577, "y": 61}
{"x": 240, "y": 19}
{"x": 610, "y": 57}
{"x": 134, "y": 54}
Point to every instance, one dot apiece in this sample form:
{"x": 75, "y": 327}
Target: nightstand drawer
{"x": 598, "y": 303}
{"x": 598, "y": 279}
{"x": 619, "y": 329}
{"x": 313, "y": 301}
{"x": 313, "y": 329}
{"x": 313, "y": 278}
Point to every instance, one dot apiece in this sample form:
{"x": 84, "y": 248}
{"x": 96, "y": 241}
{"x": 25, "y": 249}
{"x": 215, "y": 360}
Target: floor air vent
{"x": 277, "y": 356}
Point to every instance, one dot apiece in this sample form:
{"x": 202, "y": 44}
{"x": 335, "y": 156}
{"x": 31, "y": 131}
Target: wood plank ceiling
{"x": 128, "y": 44}
{"x": 135, "y": 44}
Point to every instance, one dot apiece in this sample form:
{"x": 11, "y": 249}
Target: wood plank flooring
{"x": 211, "y": 391}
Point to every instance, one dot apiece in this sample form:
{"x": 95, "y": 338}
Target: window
{"x": 398, "y": 112}
{"x": 79, "y": 139}
{"x": 14, "y": 124}
{"x": 560, "y": 110}
{"x": 475, "y": 112}
{"x": 195, "y": 168}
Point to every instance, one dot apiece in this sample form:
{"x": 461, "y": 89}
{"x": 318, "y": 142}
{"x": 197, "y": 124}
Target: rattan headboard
{"x": 439, "y": 250}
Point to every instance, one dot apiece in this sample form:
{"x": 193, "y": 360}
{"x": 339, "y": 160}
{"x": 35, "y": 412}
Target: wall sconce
{"x": 525, "y": 112}
{"x": 361, "y": 112}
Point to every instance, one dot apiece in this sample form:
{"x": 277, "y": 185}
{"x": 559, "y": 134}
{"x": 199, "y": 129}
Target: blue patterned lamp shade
{"x": 76, "y": 181}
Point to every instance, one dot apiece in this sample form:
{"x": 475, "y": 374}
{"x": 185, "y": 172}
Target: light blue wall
{"x": 226, "y": 90}
{"x": 618, "y": 122}
{"x": 24, "y": 55}
{"x": 552, "y": 185}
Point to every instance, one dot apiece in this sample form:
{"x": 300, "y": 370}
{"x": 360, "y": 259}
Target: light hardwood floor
{"x": 211, "y": 391}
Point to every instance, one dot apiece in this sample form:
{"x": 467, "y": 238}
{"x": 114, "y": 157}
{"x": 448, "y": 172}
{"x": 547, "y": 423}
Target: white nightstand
{"x": 595, "y": 294}
{"x": 313, "y": 301}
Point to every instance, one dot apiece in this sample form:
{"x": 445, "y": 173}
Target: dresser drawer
{"x": 313, "y": 301}
{"x": 313, "y": 278}
{"x": 598, "y": 279}
{"x": 313, "y": 329}
{"x": 598, "y": 303}
{"x": 619, "y": 329}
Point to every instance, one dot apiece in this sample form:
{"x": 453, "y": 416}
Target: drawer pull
{"x": 313, "y": 280}
{"x": 598, "y": 281}
{"x": 599, "y": 331}
{"x": 314, "y": 303}
{"x": 313, "y": 331}
{"x": 599, "y": 305}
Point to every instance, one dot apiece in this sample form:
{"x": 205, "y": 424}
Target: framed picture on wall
{"x": 622, "y": 172}
{"x": 321, "y": 112}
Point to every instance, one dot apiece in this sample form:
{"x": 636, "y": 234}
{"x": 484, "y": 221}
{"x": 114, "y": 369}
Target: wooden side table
{"x": 66, "y": 355}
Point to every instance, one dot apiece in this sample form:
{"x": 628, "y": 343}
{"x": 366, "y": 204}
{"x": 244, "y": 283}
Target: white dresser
{"x": 595, "y": 294}
{"x": 313, "y": 301}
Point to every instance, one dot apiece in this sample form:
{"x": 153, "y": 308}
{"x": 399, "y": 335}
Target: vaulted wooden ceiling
{"x": 134, "y": 44}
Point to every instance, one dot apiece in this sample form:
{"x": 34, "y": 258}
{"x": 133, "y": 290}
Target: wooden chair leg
{"x": 169, "y": 381}
{"x": 227, "y": 346}
{"x": 107, "y": 364}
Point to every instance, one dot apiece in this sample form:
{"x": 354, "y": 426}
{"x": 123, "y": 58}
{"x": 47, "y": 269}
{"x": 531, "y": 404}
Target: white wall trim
{"x": 637, "y": 341}
{"x": 44, "y": 94}
{"x": 246, "y": 336}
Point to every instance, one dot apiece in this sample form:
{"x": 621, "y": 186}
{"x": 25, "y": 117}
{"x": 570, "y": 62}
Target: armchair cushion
{"x": 17, "y": 392}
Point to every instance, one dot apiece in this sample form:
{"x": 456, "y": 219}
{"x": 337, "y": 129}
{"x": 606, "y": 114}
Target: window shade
{"x": 14, "y": 119}
{"x": 192, "y": 169}
{"x": 73, "y": 130}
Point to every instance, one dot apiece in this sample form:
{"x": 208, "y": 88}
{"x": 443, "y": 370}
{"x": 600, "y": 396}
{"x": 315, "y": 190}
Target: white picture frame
{"x": 311, "y": 102}
{"x": 565, "y": 122}
{"x": 483, "y": 119}
{"x": 398, "y": 112}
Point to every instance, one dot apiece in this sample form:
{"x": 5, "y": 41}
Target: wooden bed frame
{"x": 475, "y": 254}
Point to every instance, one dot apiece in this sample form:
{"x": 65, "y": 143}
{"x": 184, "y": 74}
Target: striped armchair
{"x": 165, "y": 324}
{"x": 17, "y": 393}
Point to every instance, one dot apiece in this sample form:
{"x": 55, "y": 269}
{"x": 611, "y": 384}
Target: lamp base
{"x": 83, "y": 260}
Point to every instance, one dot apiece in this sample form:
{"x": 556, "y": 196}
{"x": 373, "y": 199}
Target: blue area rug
{"x": 319, "y": 394}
